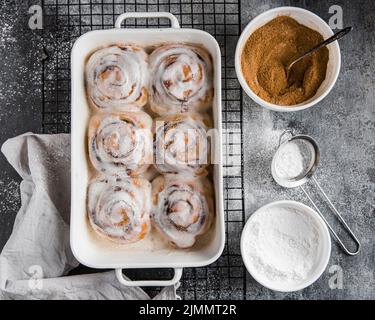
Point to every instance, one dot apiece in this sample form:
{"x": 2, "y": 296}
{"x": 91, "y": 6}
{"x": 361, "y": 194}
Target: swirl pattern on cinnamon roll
{"x": 121, "y": 143}
{"x": 181, "y": 143}
{"x": 119, "y": 208}
{"x": 117, "y": 78}
{"x": 181, "y": 79}
{"x": 182, "y": 208}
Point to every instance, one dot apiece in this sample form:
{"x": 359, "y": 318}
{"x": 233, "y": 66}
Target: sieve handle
{"x": 283, "y": 137}
{"x": 339, "y": 216}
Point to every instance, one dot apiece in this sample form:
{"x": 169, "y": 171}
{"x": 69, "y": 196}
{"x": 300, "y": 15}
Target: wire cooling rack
{"x": 65, "y": 20}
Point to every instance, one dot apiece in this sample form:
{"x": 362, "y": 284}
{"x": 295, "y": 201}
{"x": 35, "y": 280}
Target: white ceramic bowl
{"x": 310, "y": 20}
{"x": 324, "y": 250}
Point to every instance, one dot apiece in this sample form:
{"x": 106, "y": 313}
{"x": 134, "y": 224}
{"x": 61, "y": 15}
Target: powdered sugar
{"x": 282, "y": 244}
{"x": 294, "y": 159}
{"x": 10, "y": 195}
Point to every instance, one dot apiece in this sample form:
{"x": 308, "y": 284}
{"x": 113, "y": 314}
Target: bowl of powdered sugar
{"x": 285, "y": 246}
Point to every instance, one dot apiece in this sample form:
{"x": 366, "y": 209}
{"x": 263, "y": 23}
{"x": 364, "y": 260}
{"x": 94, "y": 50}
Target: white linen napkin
{"x": 37, "y": 258}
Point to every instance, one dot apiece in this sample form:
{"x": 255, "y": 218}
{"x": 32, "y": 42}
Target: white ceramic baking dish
{"x": 144, "y": 254}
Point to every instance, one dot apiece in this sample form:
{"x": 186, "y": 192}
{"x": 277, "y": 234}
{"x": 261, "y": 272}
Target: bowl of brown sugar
{"x": 274, "y": 39}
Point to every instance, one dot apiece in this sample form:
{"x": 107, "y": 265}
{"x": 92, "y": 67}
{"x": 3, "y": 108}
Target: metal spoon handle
{"x": 335, "y": 37}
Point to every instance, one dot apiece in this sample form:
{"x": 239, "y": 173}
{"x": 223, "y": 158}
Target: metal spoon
{"x": 335, "y": 37}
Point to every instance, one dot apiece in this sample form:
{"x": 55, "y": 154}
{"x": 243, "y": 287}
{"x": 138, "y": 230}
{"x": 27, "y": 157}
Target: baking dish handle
{"x": 127, "y": 15}
{"x": 149, "y": 283}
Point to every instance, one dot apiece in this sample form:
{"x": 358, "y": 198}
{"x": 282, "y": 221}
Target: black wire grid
{"x": 64, "y": 21}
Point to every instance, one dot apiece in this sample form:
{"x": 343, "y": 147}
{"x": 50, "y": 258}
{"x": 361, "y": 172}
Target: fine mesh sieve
{"x": 294, "y": 163}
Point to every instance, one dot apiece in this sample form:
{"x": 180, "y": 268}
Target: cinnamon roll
{"x": 181, "y": 144}
{"x": 120, "y": 143}
{"x": 181, "y": 79}
{"x": 182, "y": 208}
{"x": 119, "y": 208}
{"x": 117, "y": 78}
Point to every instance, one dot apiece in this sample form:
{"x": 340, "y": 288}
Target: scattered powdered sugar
{"x": 6, "y": 34}
{"x": 10, "y": 195}
{"x": 282, "y": 244}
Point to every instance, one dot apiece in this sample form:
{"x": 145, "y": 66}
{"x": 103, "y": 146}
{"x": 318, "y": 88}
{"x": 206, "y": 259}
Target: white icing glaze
{"x": 117, "y": 78}
{"x": 181, "y": 144}
{"x": 119, "y": 208}
{"x": 182, "y": 208}
{"x": 121, "y": 143}
{"x": 181, "y": 79}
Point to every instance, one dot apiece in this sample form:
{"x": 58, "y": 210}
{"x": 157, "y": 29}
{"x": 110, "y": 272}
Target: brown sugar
{"x": 270, "y": 49}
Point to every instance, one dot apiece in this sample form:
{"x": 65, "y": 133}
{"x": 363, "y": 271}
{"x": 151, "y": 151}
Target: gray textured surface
{"x": 343, "y": 124}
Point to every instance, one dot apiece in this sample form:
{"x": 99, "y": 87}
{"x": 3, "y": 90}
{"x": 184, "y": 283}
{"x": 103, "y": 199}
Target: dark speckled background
{"x": 343, "y": 124}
